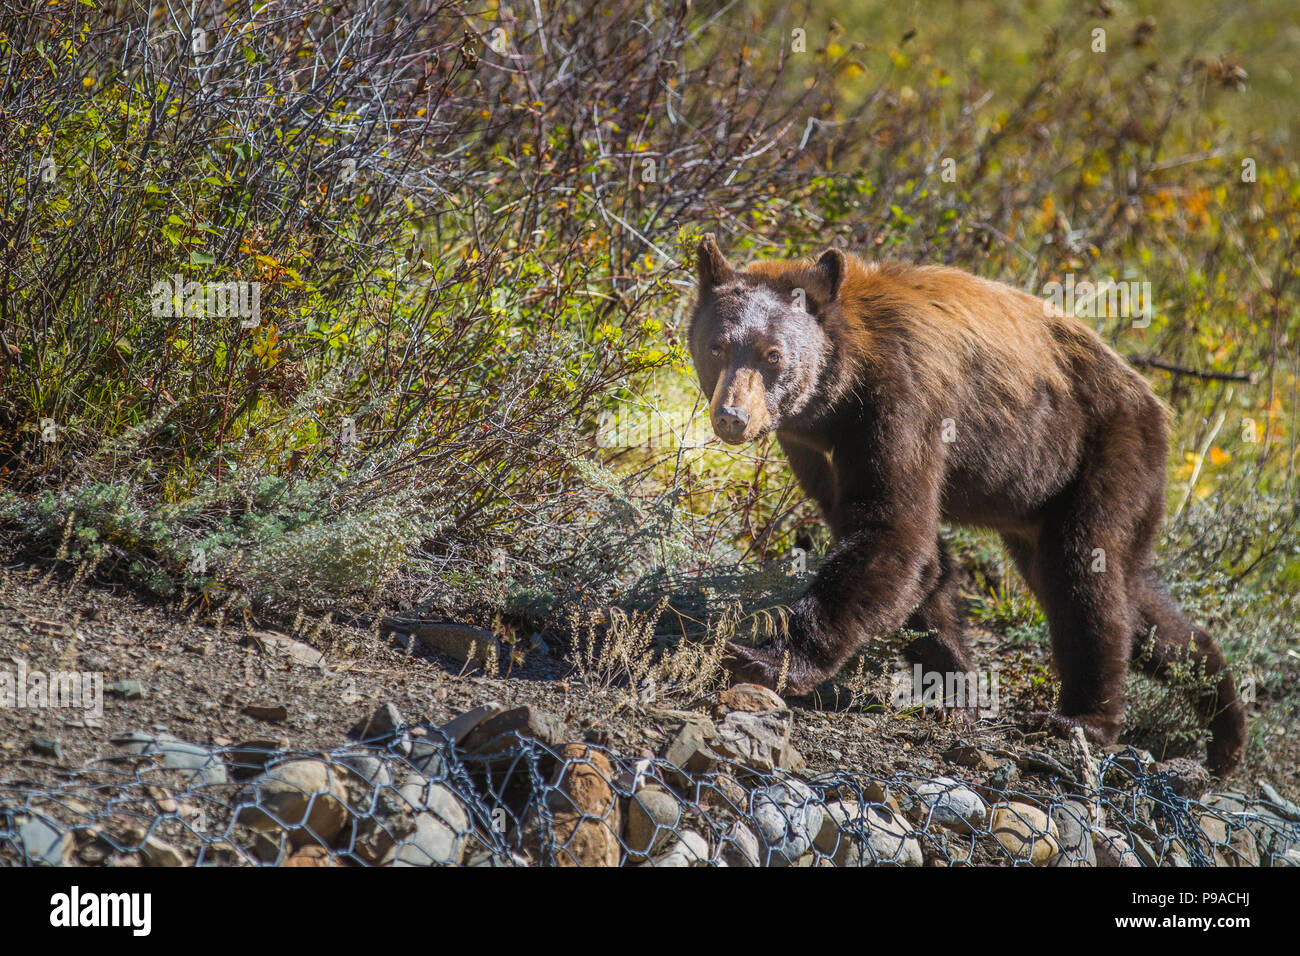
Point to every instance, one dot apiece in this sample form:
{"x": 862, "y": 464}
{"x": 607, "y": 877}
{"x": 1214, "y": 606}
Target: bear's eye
{"x": 774, "y": 358}
{"x": 715, "y": 349}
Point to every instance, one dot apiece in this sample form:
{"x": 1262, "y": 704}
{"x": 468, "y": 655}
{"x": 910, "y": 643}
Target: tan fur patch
{"x": 949, "y": 320}
{"x": 745, "y": 390}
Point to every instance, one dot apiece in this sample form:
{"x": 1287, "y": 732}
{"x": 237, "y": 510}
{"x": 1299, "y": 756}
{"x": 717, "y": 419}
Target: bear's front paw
{"x": 1042, "y": 721}
{"x": 750, "y": 665}
{"x": 768, "y": 665}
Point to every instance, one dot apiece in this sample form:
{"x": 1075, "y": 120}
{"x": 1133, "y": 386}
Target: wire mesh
{"x": 413, "y": 797}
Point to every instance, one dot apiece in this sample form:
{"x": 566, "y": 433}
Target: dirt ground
{"x": 197, "y": 679}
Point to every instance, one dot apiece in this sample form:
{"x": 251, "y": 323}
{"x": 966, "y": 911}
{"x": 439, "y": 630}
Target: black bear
{"x": 904, "y": 396}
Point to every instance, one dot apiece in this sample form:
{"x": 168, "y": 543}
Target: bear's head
{"x": 759, "y": 338}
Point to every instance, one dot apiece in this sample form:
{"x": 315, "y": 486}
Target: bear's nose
{"x": 730, "y": 422}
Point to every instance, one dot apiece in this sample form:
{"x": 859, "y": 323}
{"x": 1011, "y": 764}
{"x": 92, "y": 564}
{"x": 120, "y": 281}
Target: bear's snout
{"x": 729, "y": 424}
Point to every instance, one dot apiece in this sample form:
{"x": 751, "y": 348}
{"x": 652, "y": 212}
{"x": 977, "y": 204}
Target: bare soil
{"x": 198, "y": 676}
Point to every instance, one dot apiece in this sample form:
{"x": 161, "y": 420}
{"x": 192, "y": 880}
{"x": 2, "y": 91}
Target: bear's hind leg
{"x": 1075, "y": 569}
{"x": 1163, "y": 639}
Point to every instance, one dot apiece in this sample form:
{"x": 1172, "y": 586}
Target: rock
{"x": 387, "y": 821}
{"x": 249, "y": 758}
{"x": 130, "y": 689}
{"x": 276, "y": 713}
{"x": 967, "y": 755}
{"x": 1126, "y": 761}
{"x": 740, "y": 846}
{"x": 44, "y": 842}
{"x": 1142, "y": 848}
{"x": 1003, "y": 778}
{"x": 48, "y": 746}
{"x": 788, "y": 818}
{"x": 429, "y": 758}
{"x": 586, "y": 821}
{"x": 1073, "y": 821}
{"x": 653, "y": 816}
{"x": 488, "y": 858}
{"x": 1186, "y": 777}
{"x": 305, "y": 797}
{"x": 368, "y": 772}
{"x": 750, "y": 698}
{"x": 1289, "y": 858}
{"x": 1284, "y": 807}
{"x": 379, "y": 726}
{"x": 949, "y": 803}
{"x": 1027, "y": 833}
{"x": 441, "y": 825}
{"x": 1227, "y": 801}
{"x": 755, "y": 741}
{"x": 1112, "y": 849}
{"x": 156, "y": 852}
{"x": 854, "y": 834}
{"x": 723, "y": 792}
{"x": 688, "y": 748}
{"x": 203, "y": 765}
{"x": 1241, "y": 850}
{"x": 311, "y": 855}
{"x": 502, "y": 732}
{"x": 458, "y": 728}
{"x": 689, "y": 849}
{"x": 281, "y": 645}
{"x": 460, "y": 641}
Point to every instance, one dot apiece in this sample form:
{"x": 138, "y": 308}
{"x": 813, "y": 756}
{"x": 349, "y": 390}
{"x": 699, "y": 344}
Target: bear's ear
{"x": 711, "y": 267}
{"x": 832, "y": 266}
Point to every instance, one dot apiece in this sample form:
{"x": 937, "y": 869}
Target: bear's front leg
{"x": 868, "y": 585}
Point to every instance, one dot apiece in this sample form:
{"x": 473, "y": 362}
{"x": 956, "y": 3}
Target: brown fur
{"x": 906, "y": 396}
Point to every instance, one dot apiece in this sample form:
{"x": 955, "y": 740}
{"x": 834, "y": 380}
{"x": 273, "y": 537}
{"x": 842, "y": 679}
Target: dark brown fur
{"x": 1056, "y": 443}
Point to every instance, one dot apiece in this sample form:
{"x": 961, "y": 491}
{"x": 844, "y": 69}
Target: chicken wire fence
{"x": 415, "y": 798}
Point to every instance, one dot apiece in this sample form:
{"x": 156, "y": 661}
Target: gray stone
{"x": 204, "y": 766}
{"x": 459, "y": 641}
{"x": 130, "y": 689}
{"x": 1186, "y": 777}
{"x": 854, "y": 834}
{"x": 306, "y": 798}
{"x": 1284, "y": 807}
{"x": 460, "y": 727}
{"x": 281, "y": 645}
{"x": 788, "y": 818}
{"x": 502, "y": 732}
{"x": 949, "y": 803}
{"x": 385, "y": 823}
{"x": 689, "y": 849}
{"x": 1113, "y": 849}
{"x": 44, "y": 842}
{"x": 49, "y": 746}
{"x": 653, "y": 814}
{"x": 442, "y": 825}
{"x": 1074, "y": 832}
{"x": 740, "y": 847}
{"x": 379, "y": 726}
{"x": 753, "y": 740}
{"x": 688, "y": 749}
